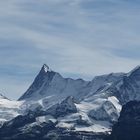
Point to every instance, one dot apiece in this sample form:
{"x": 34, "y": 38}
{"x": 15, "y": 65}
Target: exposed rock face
{"x": 128, "y": 125}
{"x": 80, "y": 108}
{"x": 107, "y": 112}
{"x": 34, "y": 127}
{"x": 44, "y": 78}
{"x": 128, "y": 88}
{"x": 24, "y": 128}
{"x": 65, "y": 107}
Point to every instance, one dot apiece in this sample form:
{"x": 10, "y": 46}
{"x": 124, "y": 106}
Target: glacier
{"x": 75, "y": 105}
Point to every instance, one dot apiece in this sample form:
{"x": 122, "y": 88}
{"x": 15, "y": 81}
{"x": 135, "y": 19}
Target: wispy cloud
{"x": 77, "y": 38}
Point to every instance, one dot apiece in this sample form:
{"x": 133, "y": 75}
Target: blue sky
{"x": 78, "y": 38}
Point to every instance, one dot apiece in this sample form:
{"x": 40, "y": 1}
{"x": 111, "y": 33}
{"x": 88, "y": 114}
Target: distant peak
{"x": 46, "y": 68}
{"x": 2, "y": 96}
{"x": 136, "y": 69}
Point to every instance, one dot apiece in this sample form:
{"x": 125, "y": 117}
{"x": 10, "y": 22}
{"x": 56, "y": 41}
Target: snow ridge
{"x": 78, "y": 105}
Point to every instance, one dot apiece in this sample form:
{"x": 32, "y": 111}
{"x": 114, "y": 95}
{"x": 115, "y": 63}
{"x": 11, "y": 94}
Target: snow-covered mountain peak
{"x": 46, "y": 68}
{"x": 44, "y": 77}
{"x": 136, "y": 70}
{"x": 2, "y": 96}
{"x": 87, "y": 106}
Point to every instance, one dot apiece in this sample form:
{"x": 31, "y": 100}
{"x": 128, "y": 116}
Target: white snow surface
{"x": 46, "y": 118}
{"x": 115, "y": 102}
{"x": 9, "y": 109}
{"x": 104, "y": 127}
{"x": 46, "y": 68}
{"x": 54, "y": 89}
{"x": 97, "y": 104}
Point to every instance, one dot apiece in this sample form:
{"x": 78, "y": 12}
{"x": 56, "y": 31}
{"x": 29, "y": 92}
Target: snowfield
{"x": 76, "y": 105}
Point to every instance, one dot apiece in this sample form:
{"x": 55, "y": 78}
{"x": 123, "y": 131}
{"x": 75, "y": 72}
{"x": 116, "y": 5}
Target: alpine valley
{"x": 58, "y": 108}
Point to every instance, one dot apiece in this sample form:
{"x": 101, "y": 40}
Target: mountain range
{"x": 54, "y": 107}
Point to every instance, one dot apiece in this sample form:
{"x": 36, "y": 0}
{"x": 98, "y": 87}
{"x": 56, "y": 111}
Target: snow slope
{"x": 79, "y": 105}
{"x": 49, "y": 91}
{"x": 9, "y": 109}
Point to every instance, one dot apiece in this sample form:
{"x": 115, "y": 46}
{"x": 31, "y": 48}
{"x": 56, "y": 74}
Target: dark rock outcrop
{"x": 128, "y": 125}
